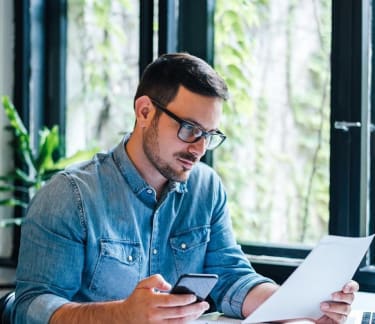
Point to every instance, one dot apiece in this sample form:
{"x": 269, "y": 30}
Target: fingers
{"x": 154, "y": 282}
{"x": 346, "y": 295}
{"x": 156, "y": 286}
{"x": 338, "y": 312}
{"x": 341, "y": 297}
{"x": 190, "y": 311}
{"x": 351, "y": 287}
{"x": 180, "y": 313}
{"x": 338, "y": 309}
{"x": 149, "y": 305}
{"x": 172, "y": 300}
{"x": 328, "y": 320}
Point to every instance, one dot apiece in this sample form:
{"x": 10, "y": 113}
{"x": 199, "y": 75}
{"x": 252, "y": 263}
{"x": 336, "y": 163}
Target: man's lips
{"x": 186, "y": 159}
{"x": 188, "y": 164}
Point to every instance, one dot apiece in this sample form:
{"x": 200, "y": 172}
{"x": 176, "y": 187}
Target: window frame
{"x": 39, "y": 65}
{"x": 21, "y": 100}
{"x": 350, "y": 101}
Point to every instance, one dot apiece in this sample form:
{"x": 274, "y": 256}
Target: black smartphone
{"x": 195, "y": 283}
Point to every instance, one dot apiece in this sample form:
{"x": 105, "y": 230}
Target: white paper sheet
{"x": 328, "y": 267}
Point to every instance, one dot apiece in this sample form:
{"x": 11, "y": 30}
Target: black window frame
{"x": 38, "y": 95}
{"x": 350, "y": 71}
{"x": 20, "y": 99}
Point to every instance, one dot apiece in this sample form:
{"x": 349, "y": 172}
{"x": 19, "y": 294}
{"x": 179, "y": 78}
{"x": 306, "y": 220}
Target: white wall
{"x": 6, "y": 88}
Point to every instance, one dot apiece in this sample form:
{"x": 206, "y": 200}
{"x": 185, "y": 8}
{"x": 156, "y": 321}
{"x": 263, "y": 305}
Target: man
{"x": 103, "y": 241}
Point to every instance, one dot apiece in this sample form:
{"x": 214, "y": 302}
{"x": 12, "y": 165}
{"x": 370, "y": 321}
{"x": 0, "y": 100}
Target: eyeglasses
{"x": 191, "y": 133}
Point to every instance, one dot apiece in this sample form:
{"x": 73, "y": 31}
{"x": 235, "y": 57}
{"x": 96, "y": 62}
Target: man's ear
{"x": 144, "y": 111}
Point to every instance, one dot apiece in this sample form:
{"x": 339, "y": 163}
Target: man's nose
{"x": 199, "y": 147}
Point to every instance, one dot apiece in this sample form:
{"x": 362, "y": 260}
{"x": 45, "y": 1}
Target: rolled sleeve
{"x": 234, "y": 298}
{"x": 42, "y": 308}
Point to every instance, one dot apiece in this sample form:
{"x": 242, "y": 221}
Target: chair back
{"x": 6, "y": 305}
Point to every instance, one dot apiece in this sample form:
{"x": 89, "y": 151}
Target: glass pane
{"x": 102, "y": 72}
{"x": 275, "y": 56}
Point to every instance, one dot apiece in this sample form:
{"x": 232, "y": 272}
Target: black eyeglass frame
{"x": 208, "y": 135}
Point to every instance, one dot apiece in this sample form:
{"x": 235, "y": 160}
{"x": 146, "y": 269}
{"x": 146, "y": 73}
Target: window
{"x": 276, "y": 59}
{"x": 307, "y": 155}
{"x": 295, "y": 68}
{"x": 102, "y": 72}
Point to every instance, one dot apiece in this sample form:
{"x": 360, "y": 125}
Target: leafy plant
{"x": 37, "y": 165}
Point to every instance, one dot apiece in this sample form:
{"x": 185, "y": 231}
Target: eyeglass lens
{"x": 189, "y": 133}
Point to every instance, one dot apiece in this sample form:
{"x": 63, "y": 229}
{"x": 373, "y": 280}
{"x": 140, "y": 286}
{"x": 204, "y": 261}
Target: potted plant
{"x": 37, "y": 165}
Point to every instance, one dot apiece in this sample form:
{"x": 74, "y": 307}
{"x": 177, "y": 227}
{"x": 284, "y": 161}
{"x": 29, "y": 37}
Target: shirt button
{"x": 149, "y": 191}
{"x": 183, "y": 246}
{"x": 130, "y": 258}
{"x": 154, "y": 251}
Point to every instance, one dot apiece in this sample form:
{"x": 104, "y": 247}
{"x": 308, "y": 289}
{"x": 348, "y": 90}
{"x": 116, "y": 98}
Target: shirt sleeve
{"x": 52, "y": 231}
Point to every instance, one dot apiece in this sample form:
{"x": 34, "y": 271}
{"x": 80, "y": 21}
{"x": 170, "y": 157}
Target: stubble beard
{"x": 151, "y": 150}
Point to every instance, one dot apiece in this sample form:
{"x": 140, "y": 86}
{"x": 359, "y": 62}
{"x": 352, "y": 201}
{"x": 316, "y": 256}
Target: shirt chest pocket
{"x": 117, "y": 271}
{"x": 189, "y": 249}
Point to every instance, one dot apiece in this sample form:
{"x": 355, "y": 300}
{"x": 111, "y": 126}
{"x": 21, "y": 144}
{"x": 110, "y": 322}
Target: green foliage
{"x": 247, "y": 163}
{"x": 233, "y": 60}
{"x": 37, "y": 167}
{"x": 105, "y": 69}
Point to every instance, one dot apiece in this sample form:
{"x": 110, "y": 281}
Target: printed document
{"x": 328, "y": 267}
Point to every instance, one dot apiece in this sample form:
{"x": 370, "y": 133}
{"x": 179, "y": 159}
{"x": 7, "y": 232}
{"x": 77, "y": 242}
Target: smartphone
{"x": 195, "y": 283}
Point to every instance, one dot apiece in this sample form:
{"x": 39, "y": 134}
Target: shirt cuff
{"x": 235, "y": 296}
{"x": 42, "y": 308}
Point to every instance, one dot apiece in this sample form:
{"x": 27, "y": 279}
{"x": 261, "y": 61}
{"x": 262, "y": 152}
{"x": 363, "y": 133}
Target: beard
{"x": 152, "y": 152}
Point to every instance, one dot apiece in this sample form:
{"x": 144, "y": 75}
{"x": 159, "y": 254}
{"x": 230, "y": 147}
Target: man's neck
{"x": 148, "y": 172}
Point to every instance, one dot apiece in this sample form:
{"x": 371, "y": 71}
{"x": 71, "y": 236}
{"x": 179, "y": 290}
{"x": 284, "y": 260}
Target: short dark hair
{"x": 162, "y": 78}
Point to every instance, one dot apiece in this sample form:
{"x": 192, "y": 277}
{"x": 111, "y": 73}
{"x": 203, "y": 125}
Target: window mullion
{"x": 345, "y": 106}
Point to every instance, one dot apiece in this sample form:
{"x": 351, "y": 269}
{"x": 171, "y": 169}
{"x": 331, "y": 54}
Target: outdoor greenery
{"x": 102, "y": 71}
{"x": 250, "y": 162}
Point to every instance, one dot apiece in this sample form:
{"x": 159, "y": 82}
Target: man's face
{"x": 172, "y": 157}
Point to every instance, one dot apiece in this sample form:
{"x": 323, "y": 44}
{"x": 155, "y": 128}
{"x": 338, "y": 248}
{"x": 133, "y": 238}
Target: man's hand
{"x": 335, "y": 311}
{"x": 149, "y": 304}
{"x": 338, "y": 309}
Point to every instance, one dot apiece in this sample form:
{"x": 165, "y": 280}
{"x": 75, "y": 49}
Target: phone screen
{"x": 197, "y": 284}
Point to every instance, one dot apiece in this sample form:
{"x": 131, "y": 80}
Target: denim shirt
{"x": 95, "y": 230}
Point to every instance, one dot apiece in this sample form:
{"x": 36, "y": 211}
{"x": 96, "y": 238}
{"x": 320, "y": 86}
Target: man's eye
{"x": 197, "y": 132}
{"x": 188, "y": 126}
